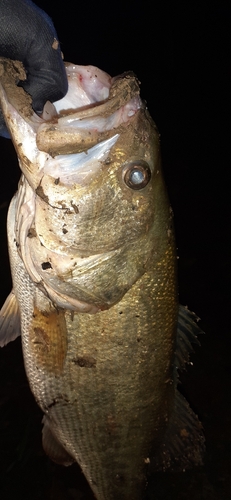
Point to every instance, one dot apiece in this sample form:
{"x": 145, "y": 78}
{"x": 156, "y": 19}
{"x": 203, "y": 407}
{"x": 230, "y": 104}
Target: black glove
{"x": 27, "y": 34}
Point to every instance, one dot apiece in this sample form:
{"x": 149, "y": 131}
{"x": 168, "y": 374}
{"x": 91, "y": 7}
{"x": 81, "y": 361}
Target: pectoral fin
{"x": 52, "y": 447}
{"x": 10, "y": 327}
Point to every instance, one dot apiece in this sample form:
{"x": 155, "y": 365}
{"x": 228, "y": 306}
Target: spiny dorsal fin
{"x": 187, "y": 332}
{"x": 10, "y": 327}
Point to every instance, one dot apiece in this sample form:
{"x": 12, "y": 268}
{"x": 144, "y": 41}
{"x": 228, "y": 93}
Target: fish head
{"x": 92, "y": 189}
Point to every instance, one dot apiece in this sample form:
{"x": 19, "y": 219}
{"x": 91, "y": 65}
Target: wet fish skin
{"x": 100, "y": 363}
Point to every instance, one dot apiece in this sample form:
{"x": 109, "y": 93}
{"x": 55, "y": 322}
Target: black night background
{"x": 180, "y": 53}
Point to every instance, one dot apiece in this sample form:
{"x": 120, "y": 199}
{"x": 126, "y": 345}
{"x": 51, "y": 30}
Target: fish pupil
{"x": 137, "y": 177}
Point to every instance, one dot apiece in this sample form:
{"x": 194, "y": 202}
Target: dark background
{"x": 180, "y": 52}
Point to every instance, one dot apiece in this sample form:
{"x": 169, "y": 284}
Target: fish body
{"x": 93, "y": 266}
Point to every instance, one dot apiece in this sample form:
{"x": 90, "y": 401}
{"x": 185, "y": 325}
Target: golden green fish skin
{"x": 105, "y": 380}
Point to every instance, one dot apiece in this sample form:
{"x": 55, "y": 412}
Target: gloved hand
{"x": 27, "y": 34}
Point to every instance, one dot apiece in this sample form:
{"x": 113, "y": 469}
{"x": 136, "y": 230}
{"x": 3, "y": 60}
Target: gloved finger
{"x": 28, "y": 35}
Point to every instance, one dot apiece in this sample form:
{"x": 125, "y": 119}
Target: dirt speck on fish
{"x": 93, "y": 266}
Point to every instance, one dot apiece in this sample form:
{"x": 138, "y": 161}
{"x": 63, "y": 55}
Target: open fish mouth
{"x": 87, "y": 120}
{"x": 94, "y": 106}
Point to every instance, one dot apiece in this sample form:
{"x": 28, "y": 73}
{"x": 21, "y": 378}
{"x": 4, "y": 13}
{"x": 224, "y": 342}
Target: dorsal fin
{"x": 187, "y": 332}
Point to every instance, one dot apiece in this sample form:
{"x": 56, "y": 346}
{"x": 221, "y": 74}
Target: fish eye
{"x": 137, "y": 174}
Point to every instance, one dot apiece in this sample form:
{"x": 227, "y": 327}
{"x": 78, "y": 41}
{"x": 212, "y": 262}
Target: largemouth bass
{"x": 94, "y": 296}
